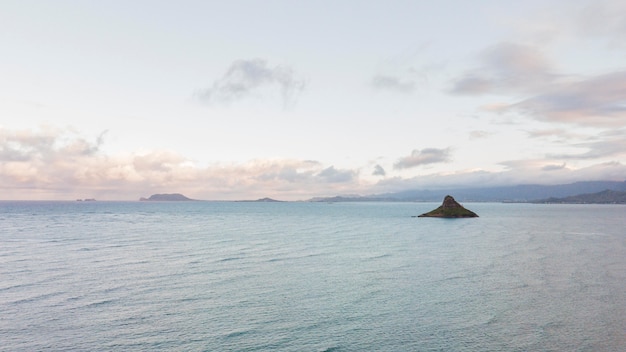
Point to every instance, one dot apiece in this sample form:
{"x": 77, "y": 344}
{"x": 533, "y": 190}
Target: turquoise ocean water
{"x": 230, "y": 276}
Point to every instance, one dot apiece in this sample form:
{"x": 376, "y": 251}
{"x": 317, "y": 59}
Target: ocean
{"x": 300, "y": 276}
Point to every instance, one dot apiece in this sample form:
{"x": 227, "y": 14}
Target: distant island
{"x": 171, "y": 197}
{"x": 355, "y": 198}
{"x": 450, "y": 208}
{"x": 605, "y": 197}
{"x": 266, "y": 199}
{"x": 263, "y": 200}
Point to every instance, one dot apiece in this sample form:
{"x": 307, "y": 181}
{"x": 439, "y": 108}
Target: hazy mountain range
{"x": 605, "y": 197}
{"x": 519, "y": 193}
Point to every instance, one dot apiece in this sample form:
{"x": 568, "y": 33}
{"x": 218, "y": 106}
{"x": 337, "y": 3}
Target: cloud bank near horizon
{"x": 60, "y": 164}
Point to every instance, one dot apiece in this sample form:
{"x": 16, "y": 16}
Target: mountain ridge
{"x": 604, "y": 197}
{"x": 517, "y": 193}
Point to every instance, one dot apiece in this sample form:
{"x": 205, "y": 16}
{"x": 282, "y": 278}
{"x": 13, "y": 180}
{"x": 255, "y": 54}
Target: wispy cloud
{"x": 547, "y": 133}
{"x": 520, "y": 171}
{"x": 245, "y": 78}
{"x": 506, "y": 67}
{"x": 516, "y": 172}
{"x": 478, "y": 134}
{"x": 553, "y": 167}
{"x": 525, "y": 75}
{"x": 597, "y": 101}
{"x": 423, "y": 157}
{"x": 604, "y": 18}
{"x": 608, "y": 145}
{"x": 395, "y": 84}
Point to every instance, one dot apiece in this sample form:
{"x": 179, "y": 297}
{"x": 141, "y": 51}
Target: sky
{"x": 232, "y": 100}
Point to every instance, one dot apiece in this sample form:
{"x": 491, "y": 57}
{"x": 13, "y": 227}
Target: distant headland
{"x": 169, "y": 197}
{"x": 266, "y": 199}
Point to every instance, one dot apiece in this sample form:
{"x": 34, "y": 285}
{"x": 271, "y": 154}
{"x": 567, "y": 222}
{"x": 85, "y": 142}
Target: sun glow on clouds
{"x": 67, "y": 165}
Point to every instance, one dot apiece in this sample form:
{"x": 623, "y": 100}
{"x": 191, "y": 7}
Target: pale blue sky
{"x": 285, "y": 99}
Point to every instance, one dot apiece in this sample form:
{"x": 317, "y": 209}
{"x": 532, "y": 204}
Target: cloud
{"x": 516, "y": 172}
{"x": 546, "y": 133}
{"x": 44, "y": 158}
{"x": 608, "y": 145}
{"x": 596, "y": 101}
{"x": 286, "y": 171}
{"x": 395, "y": 84}
{"x": 44, "y": 145}
{"x": 157, "y": 161}
{"x": 554, "y": 167}
{"x": 524, "y": 73}
{"x": 473, "y": 84}
{"x": 606, "y": 19}
{"x": 379, "y": 171}
{"x": 506, "y": 67}
{"x": 423, "y": 157}
{"x": 477, "y": 134}
{"x": 301, "y": 172}
{"x": 333, "y": 175}
{"x": 521, "y": 171}
{"x": 59, "y": 164}
{"x": 245, "y": 78}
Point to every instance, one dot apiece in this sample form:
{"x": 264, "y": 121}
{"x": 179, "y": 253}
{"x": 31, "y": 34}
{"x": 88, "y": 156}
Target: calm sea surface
{"x": 224, "y": 276}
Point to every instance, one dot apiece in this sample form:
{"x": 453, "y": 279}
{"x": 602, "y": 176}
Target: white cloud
{"x": 58, "y": 164}
{"x": 423, "y": 157}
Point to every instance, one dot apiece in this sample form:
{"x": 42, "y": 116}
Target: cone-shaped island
{"x": 449, "y": 209}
